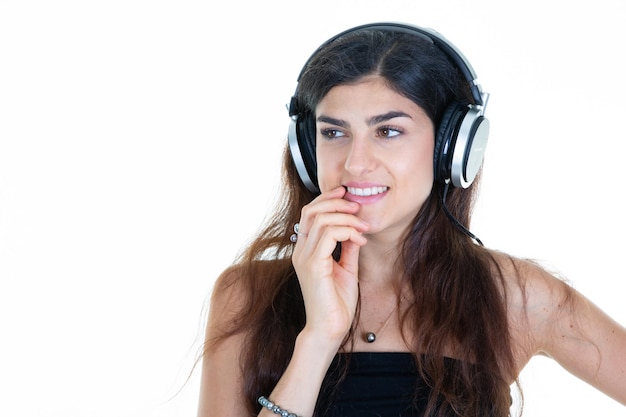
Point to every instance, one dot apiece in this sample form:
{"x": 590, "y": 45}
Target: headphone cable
{"x": 453, "y": 219}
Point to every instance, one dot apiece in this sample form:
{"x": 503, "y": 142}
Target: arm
{"x": 577, "y": 334}
{"x": 330, "y": 292}
{"x": 221, "y": 391}
{"x": 221, "y": 385}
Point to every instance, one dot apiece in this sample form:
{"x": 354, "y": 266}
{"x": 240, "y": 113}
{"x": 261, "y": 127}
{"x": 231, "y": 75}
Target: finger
{"x": 337, "y": 192}
{"x": 329, "y": 213}
{"x": 335, "y": 205}
{"x": 349, "y": 259}
{"x": 323, "y": 247}
{"x": 324, "y": 220}
{"x": 327, "y": 201}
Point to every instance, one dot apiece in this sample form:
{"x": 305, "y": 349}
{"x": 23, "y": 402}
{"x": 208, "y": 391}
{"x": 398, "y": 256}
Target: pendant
{"x": 370, "y": 337}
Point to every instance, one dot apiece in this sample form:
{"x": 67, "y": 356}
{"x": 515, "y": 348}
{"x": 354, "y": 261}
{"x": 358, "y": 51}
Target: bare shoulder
{"x": 221, "y": 377}
{"x": 227, "y": 299}
{"x": 549, "y": 317}
{"x": 530, "y": 292}
{"x": 231, "y": 306}
{"x": 534, "y": 293}
{"x": 537, "y": 299}
{"x": 232, "y": 293}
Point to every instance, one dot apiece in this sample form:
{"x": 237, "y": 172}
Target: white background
{"x": 139, "y": 150}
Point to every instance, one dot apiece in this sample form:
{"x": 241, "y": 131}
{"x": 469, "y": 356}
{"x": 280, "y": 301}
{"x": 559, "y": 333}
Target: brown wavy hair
{"x": 458, "y": 288}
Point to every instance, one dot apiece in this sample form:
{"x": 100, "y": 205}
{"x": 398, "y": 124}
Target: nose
{"x": 361, "y": 157}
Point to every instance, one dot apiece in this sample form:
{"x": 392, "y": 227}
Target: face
{"x": 378, "y": 145}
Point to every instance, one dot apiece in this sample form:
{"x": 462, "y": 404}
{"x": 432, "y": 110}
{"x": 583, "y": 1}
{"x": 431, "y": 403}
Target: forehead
{"x": 369, "y": 96}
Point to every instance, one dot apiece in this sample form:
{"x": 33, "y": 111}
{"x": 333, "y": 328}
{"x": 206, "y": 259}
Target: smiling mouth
{"x": 364, "y": 192}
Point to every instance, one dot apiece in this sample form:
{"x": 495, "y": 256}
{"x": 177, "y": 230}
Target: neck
{"x": 378, "y": 263}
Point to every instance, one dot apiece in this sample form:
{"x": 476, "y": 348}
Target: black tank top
{"x": 377, "y": 384}
{"x": 380, "y": 384}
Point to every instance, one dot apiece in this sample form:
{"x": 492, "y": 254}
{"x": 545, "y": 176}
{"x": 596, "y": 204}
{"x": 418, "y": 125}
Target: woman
{"x": 380, "y": 301}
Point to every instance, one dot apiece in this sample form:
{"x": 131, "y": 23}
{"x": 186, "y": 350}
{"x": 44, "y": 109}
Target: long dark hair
{"x": 460, "y": 297}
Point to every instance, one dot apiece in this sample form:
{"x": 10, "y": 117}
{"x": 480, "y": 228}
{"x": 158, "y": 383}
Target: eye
{"x": 331, "y": 133}
{"x": 389, "y": 132}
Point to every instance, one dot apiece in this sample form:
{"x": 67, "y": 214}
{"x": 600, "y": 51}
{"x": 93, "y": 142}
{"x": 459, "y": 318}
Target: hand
{"x": 329, "y": 288}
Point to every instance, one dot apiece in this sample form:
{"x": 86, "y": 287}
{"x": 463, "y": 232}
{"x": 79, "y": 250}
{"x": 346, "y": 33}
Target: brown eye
{"x": 331, "y": 133}
{"x": 388, "y": 132}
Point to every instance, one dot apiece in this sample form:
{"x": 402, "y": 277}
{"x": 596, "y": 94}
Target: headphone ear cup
{"x": 444, "y": 142}
{"x": 469, "y": 149}
{"x": 460, "y": 145}
{"x": 302, "y": 147}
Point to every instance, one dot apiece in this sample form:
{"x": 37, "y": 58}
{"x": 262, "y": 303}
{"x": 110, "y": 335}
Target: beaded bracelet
{"x": 274, "y": 408}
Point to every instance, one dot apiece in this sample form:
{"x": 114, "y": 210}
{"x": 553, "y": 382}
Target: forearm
{"x": 299, "y": 387}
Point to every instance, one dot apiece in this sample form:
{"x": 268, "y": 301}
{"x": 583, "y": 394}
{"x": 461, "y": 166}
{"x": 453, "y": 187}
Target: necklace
{"x": 370, "y": 337}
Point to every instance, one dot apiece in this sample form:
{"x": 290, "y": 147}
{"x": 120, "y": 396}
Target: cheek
{"x": 428, "y": 168}
{"x": 327, "y": 173}
{"x": 421, "y": 165}
{"x": 418, "y": 180}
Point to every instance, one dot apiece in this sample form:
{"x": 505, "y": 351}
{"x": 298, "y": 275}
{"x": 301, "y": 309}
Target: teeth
{"x": 367, "y": 191}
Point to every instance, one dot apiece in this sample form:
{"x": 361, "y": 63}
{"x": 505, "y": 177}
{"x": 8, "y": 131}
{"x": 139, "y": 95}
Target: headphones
{"x": 461, "y": 136}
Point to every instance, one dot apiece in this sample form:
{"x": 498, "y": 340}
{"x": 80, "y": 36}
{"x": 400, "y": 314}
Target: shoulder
{"x": 221, "y": 378}
{"x": 228, "y": 287}
{"x": 240, "y": 295}
{"x": 537, "y": 301}
{"x": 243, "y": 290}
{"x": 544, "y": 305}
{"x": 530, "y": 286}
{"x": 235, "y": 279}
{"x": 533, "y": 288}
{"x": 549, "y": 317}
{"x": 231, "y": 291}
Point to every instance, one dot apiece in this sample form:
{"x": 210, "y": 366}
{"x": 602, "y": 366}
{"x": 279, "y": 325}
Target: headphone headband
{"x": 427, "y": 34}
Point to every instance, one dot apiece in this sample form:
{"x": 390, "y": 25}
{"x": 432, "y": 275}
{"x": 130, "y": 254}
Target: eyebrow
{"x": 371, "y": 121}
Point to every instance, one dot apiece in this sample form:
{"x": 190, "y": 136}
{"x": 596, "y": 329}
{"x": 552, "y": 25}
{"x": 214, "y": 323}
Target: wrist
{"x": 299, "y": 386}
{"x": 318, "y": 344}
